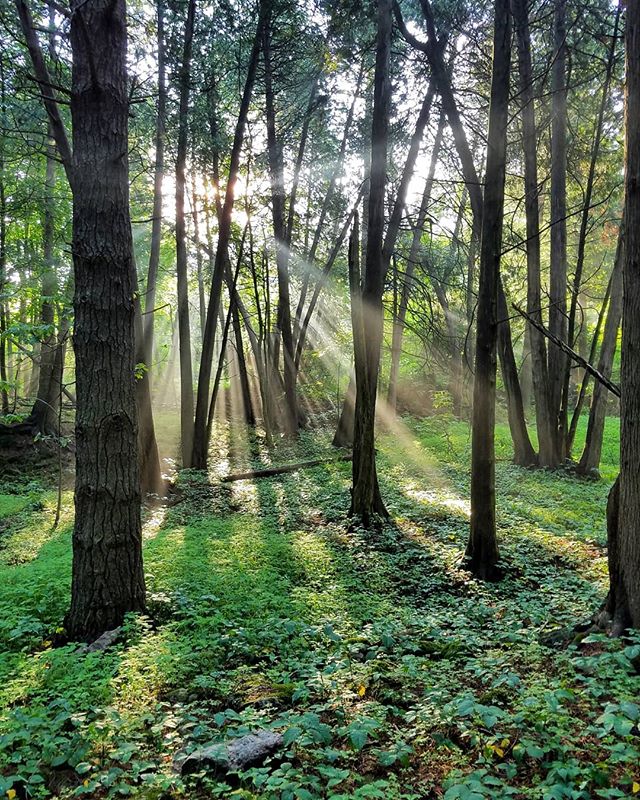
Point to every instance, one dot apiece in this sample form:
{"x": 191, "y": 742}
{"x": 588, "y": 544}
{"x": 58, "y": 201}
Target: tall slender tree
{"x": 366, "y": 500}
{"x": 558, "y": 263}
{"x": 182, "y": 272}
{"x": 482, "y": 550}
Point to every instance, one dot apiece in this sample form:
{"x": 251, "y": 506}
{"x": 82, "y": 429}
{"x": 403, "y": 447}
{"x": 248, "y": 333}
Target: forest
{"x": 320, "y": 399}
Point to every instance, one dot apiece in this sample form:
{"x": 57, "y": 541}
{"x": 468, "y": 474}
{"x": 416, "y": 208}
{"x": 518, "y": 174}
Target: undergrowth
{"x": 389, "y": 671}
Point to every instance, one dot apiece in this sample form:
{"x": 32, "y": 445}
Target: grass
{"x": 389, "y": 671}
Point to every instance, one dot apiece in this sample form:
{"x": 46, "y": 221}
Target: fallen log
{"x": 269, "y": 471}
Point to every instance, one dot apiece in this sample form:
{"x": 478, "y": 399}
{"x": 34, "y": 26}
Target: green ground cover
{"x": 391, "y": 674}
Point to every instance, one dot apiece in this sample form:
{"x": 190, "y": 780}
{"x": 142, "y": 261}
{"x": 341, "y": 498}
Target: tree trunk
{"x": 107, "y": 575}
{"x": 395, "y": 217}
{"x": 247, "y": 403}
{"x": 44, "y": 414}
{"x": 4, "y": 382}
{"x": 200, "y": 441}
{"x": 547, "y": 456}
{"x": 184, "y": 327}
{"x": 310, "y": 254}
{"x": 366, "y": 501}
{"x": 590, "y": 459}
{"x": 558, "y": 265}
{"x": 455, "y": 362}
{"x": 624, "y": 545}
{"x": 586, "y": 375}
{"x": 482, "y": 549}
{"x": 450, "y": 107}
{"x": 414, "y": 253}
{"x": 195, "y": 214}
{"x": 151, "y": 481}
{"x": 276, "y": 175}
{"x": 523, "y": 452}
{"x": 343, "y": 436}
{"x": 158, "y": 174}
{"x": 584, "y": 225}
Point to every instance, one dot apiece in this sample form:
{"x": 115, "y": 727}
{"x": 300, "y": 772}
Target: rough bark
{"x": 624, "y": 562}
{"x": 482, "y": 549}
{"x": 107, "y": 574}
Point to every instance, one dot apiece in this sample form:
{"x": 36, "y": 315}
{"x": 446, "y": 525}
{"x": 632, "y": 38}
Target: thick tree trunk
{"x": 590, "y": 459}
{"x": 366, "y": 501}
{"x": 184, "y": 326}
{"x": 107, "y": 576}
{"x": 557, "y": 360}
{"x": 547, "y": 456}
{"x": 482, "y": 550}
{"x": 624, "y": 547}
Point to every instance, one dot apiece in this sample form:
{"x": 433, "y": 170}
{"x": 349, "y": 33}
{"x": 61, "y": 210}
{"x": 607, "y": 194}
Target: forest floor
{"x": 389, "y": 671}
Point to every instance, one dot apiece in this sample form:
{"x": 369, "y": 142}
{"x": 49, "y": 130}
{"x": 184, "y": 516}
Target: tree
{"x": 158, "y": 174}
{"x": 221, "y": 263}
{"x": 366, "y": 500}
{"x": 184, "y": 329}
{"x": 590, "y": 458}
{"x": 622, "y": 606}
{"x": 414, "y": 252}
{"x": 284, "y": 330}
{"x": 544, "y": 424}
{"x": 558, "y": 264}
{"x": 482, "y": 549}
{"x": 108, "y": 577}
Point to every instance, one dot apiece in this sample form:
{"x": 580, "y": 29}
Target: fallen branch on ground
{"x": 265, "y": 473}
